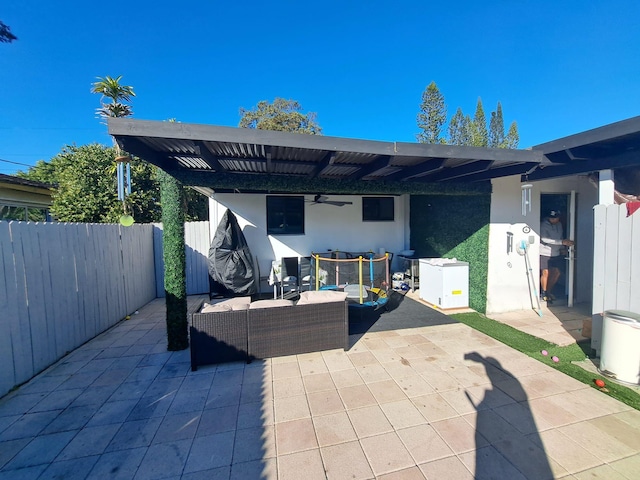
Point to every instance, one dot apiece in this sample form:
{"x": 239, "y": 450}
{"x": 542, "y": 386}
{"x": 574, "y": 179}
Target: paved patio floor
{"x": 432, "y": 402}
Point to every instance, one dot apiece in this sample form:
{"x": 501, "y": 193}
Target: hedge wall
{"x": 449, "y": 226}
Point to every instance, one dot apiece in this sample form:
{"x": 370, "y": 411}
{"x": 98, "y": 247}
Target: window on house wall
{"x": 377, "y": 209}
{"x": 285, "y": 215}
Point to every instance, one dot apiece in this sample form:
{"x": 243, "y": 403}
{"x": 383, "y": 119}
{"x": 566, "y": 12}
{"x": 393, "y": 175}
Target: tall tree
{"x": 459, "y": 129}
{"x": 118, "y": 94}
{"x": 280, "y": 116}
{"x": 5, "y": 33}
{"x": 496, "y": 128}
{"x": 513, "y": 138}
{"x": 479, "y": 134}
{"x": 432, "y": 116}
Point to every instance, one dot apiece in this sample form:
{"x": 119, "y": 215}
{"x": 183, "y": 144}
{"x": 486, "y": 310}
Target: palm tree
{"x": 110, "y": 88}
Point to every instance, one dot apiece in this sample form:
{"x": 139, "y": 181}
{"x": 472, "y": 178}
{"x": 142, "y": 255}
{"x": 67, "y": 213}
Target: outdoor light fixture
{"x": 526, "y": 198}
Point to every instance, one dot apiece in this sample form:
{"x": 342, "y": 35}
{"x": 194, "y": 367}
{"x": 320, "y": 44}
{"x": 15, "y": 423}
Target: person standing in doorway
{"x": 552, "y": 243}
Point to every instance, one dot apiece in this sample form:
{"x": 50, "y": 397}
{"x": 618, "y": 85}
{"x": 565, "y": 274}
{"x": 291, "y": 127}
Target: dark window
{"x": 377, "y": 209}
{"x": 285, "y": 215}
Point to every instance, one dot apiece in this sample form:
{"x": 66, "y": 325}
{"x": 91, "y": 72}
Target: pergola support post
{"x": 171, "y": 195}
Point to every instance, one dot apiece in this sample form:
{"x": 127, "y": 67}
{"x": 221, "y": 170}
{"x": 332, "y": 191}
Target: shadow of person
{"x": 505, "y": 420}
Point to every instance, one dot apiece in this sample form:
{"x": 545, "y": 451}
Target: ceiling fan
{"x": 322, "y": 199}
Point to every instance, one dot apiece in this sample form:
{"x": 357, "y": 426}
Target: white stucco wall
{"x": 507, "y": 287}
{"x": 326, "y": 227}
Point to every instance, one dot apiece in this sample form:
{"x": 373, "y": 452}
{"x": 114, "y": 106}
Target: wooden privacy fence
{"x": 63, "y": 284}
{"x": 616, "y": 264}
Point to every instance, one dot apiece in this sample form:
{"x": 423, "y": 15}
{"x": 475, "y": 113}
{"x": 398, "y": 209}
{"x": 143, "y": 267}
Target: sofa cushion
{"x": 270, "y": 304}
{"x": 236, "y": 303}
{"x": 321, "y": 296}
{"x": 206, "y": 308}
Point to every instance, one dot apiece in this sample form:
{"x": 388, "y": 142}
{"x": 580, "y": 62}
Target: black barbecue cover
{"x": 231, "y": 270}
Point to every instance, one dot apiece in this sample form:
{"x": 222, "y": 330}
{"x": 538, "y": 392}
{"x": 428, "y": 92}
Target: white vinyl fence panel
{"x": 616, "y": 272}
{"x": 197, "y": 243}
{"x": 63, "y": 284}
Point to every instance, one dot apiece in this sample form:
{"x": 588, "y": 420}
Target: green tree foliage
{"x": 513, "y": 138}
{"x": 432, "y": 116}
{"x": 280, "y": 116}
{"x": 5, "y": 33}
{"x": 174, "y": 262}
{"x": 479, "y": 134}
{"x": 459, "y": 129}
{"x": 86, "y": 189}
{"x": 496, "y": 128}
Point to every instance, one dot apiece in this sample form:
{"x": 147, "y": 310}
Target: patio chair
{"x": 305, "y": 274}
{"x": 289, "y": 277}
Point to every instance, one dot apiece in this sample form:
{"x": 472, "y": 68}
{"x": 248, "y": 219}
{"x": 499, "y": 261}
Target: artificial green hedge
{"x": 175, "y": 288}
{"x": 455, "y": 226}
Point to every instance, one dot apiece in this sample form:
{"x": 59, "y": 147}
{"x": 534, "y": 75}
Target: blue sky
{"x": 557, "y": 67}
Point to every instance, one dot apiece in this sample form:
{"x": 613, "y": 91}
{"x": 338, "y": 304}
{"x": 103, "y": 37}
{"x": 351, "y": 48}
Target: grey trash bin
{"x": 620, "y": 350}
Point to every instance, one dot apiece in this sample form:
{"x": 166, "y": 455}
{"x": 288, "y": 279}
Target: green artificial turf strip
{"x": 532, "y": 346}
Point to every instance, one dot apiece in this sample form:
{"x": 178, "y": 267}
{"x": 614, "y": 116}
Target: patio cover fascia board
{"x": 612, "y": 146}
{"x": 254, "y": 160}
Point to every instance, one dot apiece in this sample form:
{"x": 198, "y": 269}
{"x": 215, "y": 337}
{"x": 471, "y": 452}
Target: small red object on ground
{"x": 599, "y": 383}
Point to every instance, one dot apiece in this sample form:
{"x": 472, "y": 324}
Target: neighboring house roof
{"x": 226, "y": 157}
{"x": 20, "y": 191}
{"x": 237, "y": 158}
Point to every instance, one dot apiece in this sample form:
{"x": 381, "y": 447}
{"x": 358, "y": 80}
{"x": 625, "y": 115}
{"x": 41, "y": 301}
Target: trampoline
{"x": 364, "y": 276}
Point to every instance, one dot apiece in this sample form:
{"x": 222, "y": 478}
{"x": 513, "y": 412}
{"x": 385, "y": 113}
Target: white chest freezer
{"x": 444, "y": 283}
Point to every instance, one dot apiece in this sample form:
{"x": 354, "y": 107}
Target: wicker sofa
{"x": 240, "y": 330}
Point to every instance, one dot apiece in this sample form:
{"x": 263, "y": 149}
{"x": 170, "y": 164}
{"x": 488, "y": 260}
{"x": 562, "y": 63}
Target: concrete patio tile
{"x": 131, "y": 390}
{"x": 192, "y": 383}
{"x": 48, "y": 384}
{"x": 333, "y": 429}
{"x": 254, "y": 444}
{"x": 440, "y": 381}
{"x": 413, "y": 473}
{"x": 402, "y": 414}
{"x": 434, "y": 407}
{"x": 487, "y": 462}
{"x": 256, "y": 391}
{"x": 528, "y": 457}
{"x": 73, "y": 418}
{"x": 113, "y": 376}
{"x": 291, "y": 408}
{"x": 223, "y": 396}
{"x": 57, "y": 400}
{"x": 142, "y": 373}
{"x": 598, "y": 442}
{"x": 28, "y": 473}
{"x": 209, "y": 452}
{"x": 387, "y": 391}
{"x": 423, "y": 443}
{"x": 120, "y": 465}
{"x": 369, "y": 421}
{"x": 288, "y": 387}
{"x": 372, "y": 373}
{"x": 325, "y": 402}
{"x": 459, "y": 435}
{"x": 519, "y": 415}
{"x": 89, "y": 441}
{"x": 65, "y": 366}
{"x": 346, "y": 378}
{"x": 188, "y": 401}
{"x": 386, "y": 453}
{"x": 629, "y": 467}
{"x": 228, "y": 374}
{"x": 10, "y": 449}
{"x": 171, "y": 370}
{"x": 94, "y": 396}
{"x": 318, "y": 382}
{"x": 182, "y": 426}
{"x": 346, "y": 461}
{"x": 266, "y": 469}
{"x": 336, "y": 360}
{"x": 449, "y": 467}
{"x": 356, "y": 396}
{"x": 137, "y": 433}
{"x": 312, "y": 364}
{"x": 18, "y": 403}
{"x": 42, "y": 449}
{"x": 307, "y": 465}
{"x": 487, "y": 397}
{"x": 360, "y": 359}
{"x": 29, "y": 425}
{"x": 256, "y": 414}
{"x": 398, "y": 369}
{"x": 75, "y": 469}
{"x": 115, "y": 412}
{"x": 217, "y": 420}
{"x": 295, "y": 436}
{"x": 281, "y": 371}
{"x": 618, "y": 429}
{"x": 459, "y": 401}
{"x": 551, "y": 412}
{"x": 386, "y": 355}
{"x": 604, "y": 472}
{"x": 413, "y": 385}
{"x": 164, "y": 460}
{"x": 493, "y": 427}
{"x": 565, "y": 451}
